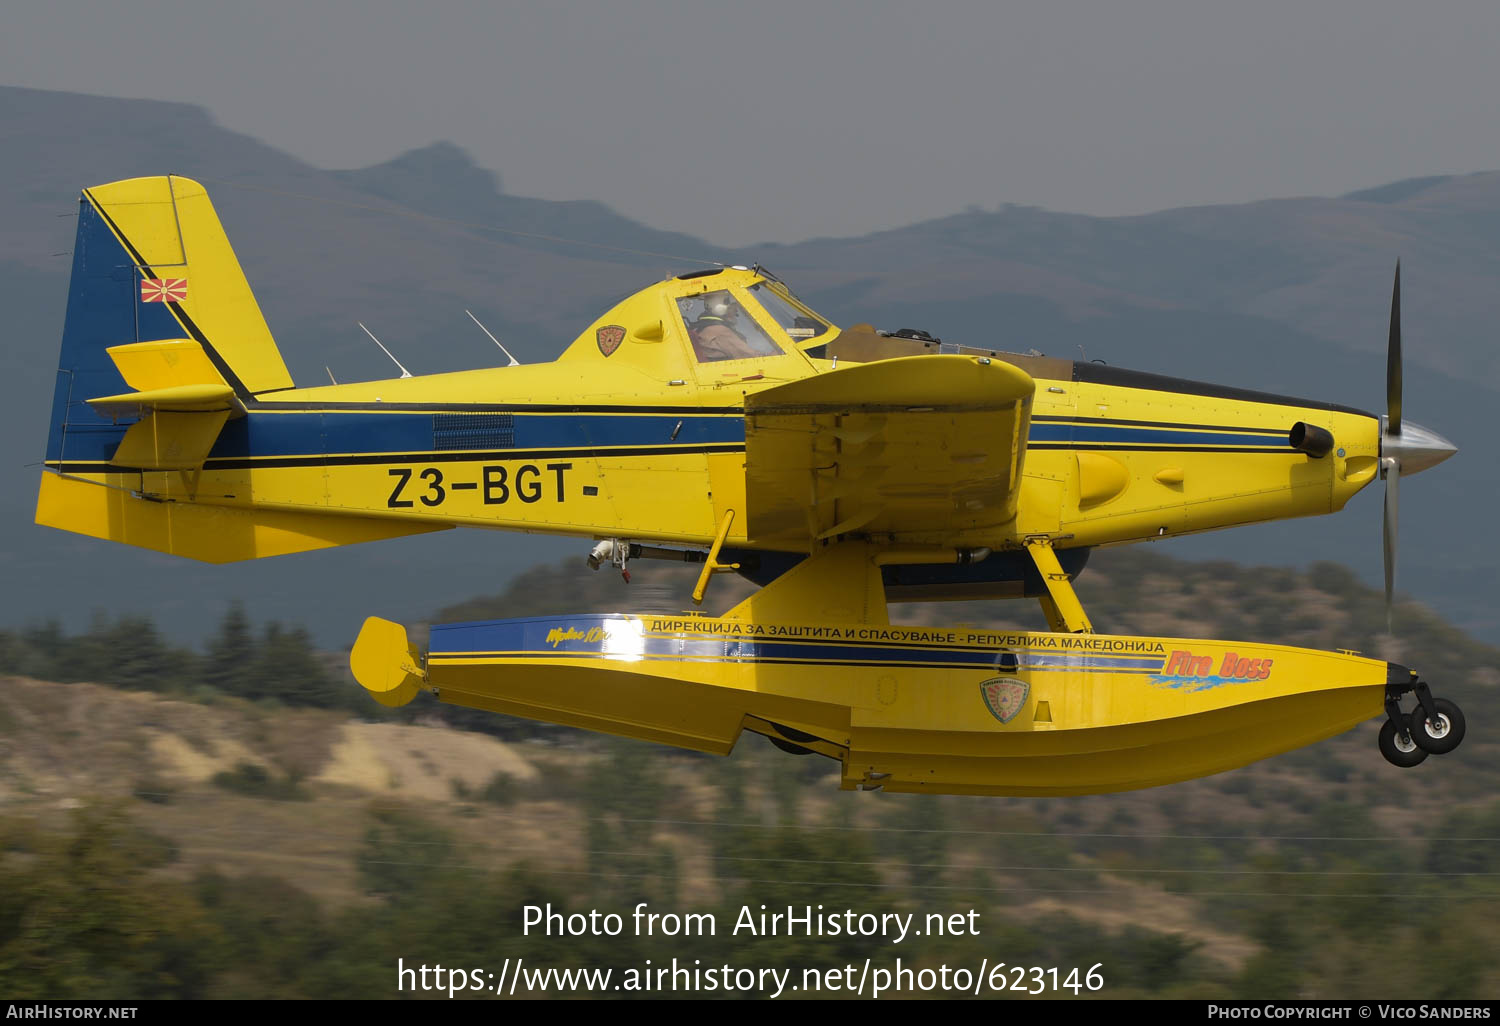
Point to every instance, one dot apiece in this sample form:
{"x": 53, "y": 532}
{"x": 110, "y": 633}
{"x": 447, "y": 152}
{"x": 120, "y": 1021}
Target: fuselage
{"x": 646, "y": 442}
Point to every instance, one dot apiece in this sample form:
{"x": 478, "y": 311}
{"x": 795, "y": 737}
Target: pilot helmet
{"x": 718, "y": 304}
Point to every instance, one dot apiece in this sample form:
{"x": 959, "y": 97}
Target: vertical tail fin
{"x": 163, "y": 344}
{"x": 152, "y": 265}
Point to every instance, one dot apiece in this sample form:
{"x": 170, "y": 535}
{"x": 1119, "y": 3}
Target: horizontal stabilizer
{"x": 184, "y": 398}
{"x": 211, "y": 534}
{"x": 182, "y": 401}
{"x": 164, "y": 363}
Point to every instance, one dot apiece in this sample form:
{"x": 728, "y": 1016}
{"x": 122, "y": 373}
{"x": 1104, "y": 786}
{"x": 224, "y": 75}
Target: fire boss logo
{"x": 1004, "y": 697}
{"x": 1233, "y": 666}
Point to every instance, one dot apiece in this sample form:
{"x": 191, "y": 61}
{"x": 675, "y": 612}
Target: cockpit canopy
{"x": 719, "y": 328}
{"x": 705, "y": 318}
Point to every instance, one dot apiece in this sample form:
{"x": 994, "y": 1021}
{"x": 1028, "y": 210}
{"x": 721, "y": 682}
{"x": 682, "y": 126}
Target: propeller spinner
{"x": 1405, "y": 448}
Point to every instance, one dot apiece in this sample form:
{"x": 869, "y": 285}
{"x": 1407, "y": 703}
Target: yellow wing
{"x": 917, "y": 449}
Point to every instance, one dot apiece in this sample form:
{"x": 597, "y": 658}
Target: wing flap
{"x": 919, "y": 448}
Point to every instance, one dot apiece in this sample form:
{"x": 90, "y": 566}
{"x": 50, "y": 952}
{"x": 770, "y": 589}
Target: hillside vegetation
{"x": 170, "y": 827}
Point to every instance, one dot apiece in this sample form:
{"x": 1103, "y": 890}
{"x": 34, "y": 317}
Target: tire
{"x": 1398, "y": 749}
{"x": 788, "y": 747}
{"x": 1442, "y": 737}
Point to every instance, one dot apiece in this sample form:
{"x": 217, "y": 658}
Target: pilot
{"x": 713, "y": 333}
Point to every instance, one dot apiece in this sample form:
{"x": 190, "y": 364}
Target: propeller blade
{"x": 1392, "y": 495}
{"x": 1393, "y": 361}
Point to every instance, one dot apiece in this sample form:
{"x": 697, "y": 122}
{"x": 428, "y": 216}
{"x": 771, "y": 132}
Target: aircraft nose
{"x": 1416, "y": 447}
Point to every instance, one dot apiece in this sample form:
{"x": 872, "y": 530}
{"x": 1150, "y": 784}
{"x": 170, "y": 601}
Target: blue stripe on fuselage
{"x": 311, "y": 434}
{"x": 264, "y": 434}
{"x": 314, "y": 434}
{"x": 1104, "y": 433}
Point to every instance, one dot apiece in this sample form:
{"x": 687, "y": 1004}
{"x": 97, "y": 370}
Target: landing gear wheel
{"x": 1398, "y": 747}
{"x": 788, "y": 747}
{"x": 1442, "y": 736}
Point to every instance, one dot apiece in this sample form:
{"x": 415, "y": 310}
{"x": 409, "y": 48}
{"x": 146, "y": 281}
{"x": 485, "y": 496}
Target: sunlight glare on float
{"x": 625, "y": 640}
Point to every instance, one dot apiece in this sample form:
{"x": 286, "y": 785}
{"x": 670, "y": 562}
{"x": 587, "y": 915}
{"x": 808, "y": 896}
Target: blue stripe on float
{"x": 626, "y": 638}
{"x": 1050, "y": 660}
{"x": 891, "y": 660}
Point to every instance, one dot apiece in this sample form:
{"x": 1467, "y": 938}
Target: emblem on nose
{"x": 609, "y": 338}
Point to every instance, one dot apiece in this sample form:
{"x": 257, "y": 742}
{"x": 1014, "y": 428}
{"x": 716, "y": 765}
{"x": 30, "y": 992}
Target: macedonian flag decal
{"x": 1004, "y": 697}
{"x": 609, "y": 338}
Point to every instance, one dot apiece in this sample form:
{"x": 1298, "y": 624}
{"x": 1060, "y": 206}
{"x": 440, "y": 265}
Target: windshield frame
{"x": 781, "y": 292}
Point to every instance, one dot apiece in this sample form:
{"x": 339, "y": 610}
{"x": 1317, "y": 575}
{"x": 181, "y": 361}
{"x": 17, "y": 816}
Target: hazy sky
{"x": 784, "y": 119}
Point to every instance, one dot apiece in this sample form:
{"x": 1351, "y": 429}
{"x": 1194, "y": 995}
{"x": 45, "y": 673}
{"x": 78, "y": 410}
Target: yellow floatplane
{"x": 714, "y": 418}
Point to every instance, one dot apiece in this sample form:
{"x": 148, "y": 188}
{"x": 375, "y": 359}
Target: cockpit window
{"x": 721, "y": 330}
{"x": 795, "y": 319}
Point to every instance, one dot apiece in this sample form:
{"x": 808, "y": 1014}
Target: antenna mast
{"x": 513, "y": 361}
{"x": 404, "y": 372}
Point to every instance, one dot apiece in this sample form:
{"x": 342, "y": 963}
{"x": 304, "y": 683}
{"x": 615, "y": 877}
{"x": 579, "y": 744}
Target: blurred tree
{"x": 287, "y": 668}
{"x": 138, "y": 657}
{"x": 231, "y": 653}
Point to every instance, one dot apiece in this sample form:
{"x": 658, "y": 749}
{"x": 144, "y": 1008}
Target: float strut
{"x": 1060, "y": 604}
{"x": 711, "y": 564}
